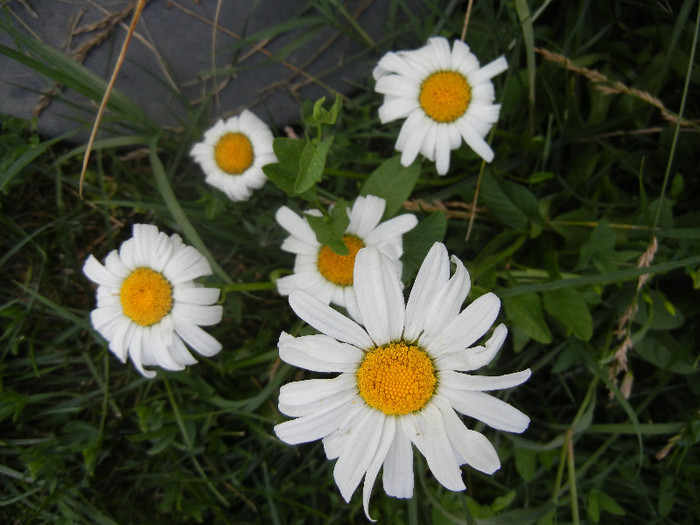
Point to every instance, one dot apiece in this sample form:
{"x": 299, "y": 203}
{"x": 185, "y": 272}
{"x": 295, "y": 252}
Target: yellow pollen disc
{"x": 146, "y": 296}
{"x": 445, "y": 96}
{"x": 234, "y": 153}
{"x": 396, "y": 379}
{"x": 338, "y": 268}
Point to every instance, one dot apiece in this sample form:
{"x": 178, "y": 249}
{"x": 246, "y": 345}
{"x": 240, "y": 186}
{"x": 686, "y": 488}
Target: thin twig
{"x": 120, "y": 60}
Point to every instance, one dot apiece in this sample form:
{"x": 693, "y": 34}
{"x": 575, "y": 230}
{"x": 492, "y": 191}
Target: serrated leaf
{"x": 418, "y": 241}
{"x": 329, "y": 230}
{"x": 525, "y": 312}
{"x": 392, "y": 182}
{"x": 568, "y": 307}
{"x": 311, "y": 164}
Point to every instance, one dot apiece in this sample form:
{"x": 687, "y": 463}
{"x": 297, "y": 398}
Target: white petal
{"x": 461, "y": 381}
{"x": 365, "y": 214}
{"x": 358, "y": 452}
{"x": 397, "y": 108}
{"x": 180, "y": 353}
{"x": 155, "y": 350}
{"x": 470, "y": 446}
{"x": 474, "y": 140}
{"x": 446, "y": 303}
{"x": 135, "y": 352}
{"x": 196, "y": 295}
{"x": 295, "y": 225}
{"x": 379, "y": 296}
{"x": 470, "y": 325}
{"x": 196, "y": 338}
{"x": 101, "y": 275}
{"x": 442, "y": 150}
{"x": 334, "y": 443}
{"x": 312, "y": 427}
{"x": 433, "y": 273}
{"x": 426, "y": 429}
{"x": 489, "y": 71}
{"x": 397, "y": 476}
{"x": 486, "y": 408}
{"x": 319, "y": 353}
{"x": 186, "y": 264}
{"x": 328, "y": 321}
{"x": 392, "y": 228}
{"x": 201, "y": 315}
{"x": 302, "y": 398}
{"x": 387, "y": 438}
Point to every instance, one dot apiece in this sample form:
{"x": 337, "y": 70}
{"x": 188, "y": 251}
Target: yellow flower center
{"x": 146, "y": 296}
{"x": 445, "y": 96}
{"x": 396, "y": 378}
{"x": 234, "y": 153}
{"x": 338, "y": 268}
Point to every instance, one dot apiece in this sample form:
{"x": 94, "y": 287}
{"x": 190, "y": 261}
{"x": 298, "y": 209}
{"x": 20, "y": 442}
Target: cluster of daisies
{"x": 401, "y": 367}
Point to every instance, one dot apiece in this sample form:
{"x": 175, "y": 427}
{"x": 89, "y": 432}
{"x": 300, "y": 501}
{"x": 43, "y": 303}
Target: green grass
{"x": 582, "y": 181}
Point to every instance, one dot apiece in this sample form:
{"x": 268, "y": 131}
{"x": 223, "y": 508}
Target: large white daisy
{"x": 327, "y": 275}
{"x": 444, "y": 96}
{"x": 233, "y": 154}
{"x": 401, "y": 378}
{"x": 148, "y": 302}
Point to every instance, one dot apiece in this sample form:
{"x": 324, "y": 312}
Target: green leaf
{"x": 592, "y": 508}
{"x": 500, "y": 204}
{"x": 285, "y": 171}
{"x": 600, "y": 249}
{"x": 608, "y": 504}
{"x": 419, "y": 240}
{"x": 568, "y": 307}
{"x": 311, "y": 164}
{"x": 321, "y": 115}
{"x": 329, "y": 230}
{"x": 666, "y": 496}
{"x": 525, "y": 463}
{"x": 525, "y": 312}
{"x": 393, "y": 183}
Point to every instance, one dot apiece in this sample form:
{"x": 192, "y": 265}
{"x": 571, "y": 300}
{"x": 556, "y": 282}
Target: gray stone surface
{"x": 169, "y": 63}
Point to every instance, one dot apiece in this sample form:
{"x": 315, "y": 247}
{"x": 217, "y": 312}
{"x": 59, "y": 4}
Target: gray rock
{"x": 168, "y": 68}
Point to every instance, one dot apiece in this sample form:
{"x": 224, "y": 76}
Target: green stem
{"x": 677, "y": 129}
{"x": 188, "y": 444}
{"x": 569, "y": 443}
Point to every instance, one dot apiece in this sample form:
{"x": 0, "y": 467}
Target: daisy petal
{"x": 426, "y": 429}
{"x": 386, "y": 440}
{"x": 460, "y": 381}
{"x": 470, "y": 447}
{"x": 397, "y": 476}
{"x": 319, "y": 353}
{"x": 488, "y": 409}
{"x": 433, "y": 273}
{"x": 358, "y": 453}
{"x": 328, "y": 321}
{"x": 379, "y": 296}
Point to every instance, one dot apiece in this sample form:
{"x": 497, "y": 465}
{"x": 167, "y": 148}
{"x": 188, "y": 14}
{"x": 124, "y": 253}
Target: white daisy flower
{"x": 401, "y": 378}
{"x": 444, "y": 96}
{"x": 327, "y": 275}
{"x": 148, "y": 303}
{"x": 233, "y": 154}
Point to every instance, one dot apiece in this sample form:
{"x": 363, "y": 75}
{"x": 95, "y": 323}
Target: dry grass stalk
{"x": 624, "y": 328}
{"x": 610, "y": 87}
{"x": 448, "y": 207}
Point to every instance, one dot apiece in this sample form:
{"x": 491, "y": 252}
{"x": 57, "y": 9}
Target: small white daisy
{"x": 327, "y": 275}
{"x": 233, "y": 154}
{"x": 401, "y": 378}
{"x": 148, "y": 302}
{"x": 444, "y": 96}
